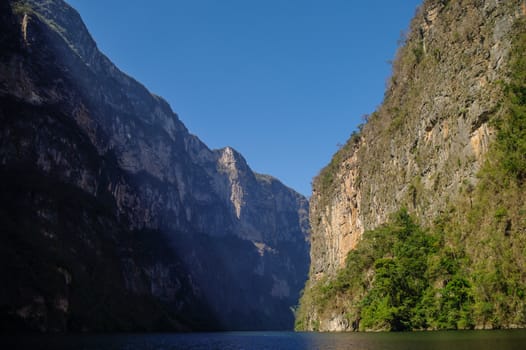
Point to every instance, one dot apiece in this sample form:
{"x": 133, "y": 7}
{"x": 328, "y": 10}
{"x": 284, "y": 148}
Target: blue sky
{"x": 282, "y": 81}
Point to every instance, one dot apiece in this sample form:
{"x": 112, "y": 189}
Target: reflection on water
{"x": 480, "y": 340}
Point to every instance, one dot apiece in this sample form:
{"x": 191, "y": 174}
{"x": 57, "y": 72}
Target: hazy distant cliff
{"x": 441, "y": 144}
{"x": 114, "y": 216}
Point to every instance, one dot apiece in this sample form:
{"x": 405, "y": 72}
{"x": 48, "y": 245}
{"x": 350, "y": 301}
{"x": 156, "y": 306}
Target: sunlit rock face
{"x": 115, "y": 216}
{"x": 424, "y": 146}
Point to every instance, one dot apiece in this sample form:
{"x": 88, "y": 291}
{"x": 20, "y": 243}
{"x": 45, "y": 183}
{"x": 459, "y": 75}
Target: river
{"x": 463, "y": 340}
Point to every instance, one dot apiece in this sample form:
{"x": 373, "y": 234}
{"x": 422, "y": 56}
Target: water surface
{"x": 479, "y": 340}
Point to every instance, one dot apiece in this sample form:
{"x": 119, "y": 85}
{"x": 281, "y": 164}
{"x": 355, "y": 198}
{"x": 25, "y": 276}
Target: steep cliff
{"x": 115, "y": 217}
{"x": 437, "y": 146}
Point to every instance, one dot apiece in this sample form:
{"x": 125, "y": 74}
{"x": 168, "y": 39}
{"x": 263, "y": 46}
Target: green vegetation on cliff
{"x": 462, "y": 267}
{"x": 399, "y": 277}
{"x": 404, "y": 277}
{"x": 511, "y": 137}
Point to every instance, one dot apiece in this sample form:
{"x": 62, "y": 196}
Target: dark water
{"x": 479, "y": 340}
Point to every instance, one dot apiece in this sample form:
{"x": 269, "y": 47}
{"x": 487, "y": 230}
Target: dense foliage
{"x": 401, "y": 277}
{"x": 511, "y": 137}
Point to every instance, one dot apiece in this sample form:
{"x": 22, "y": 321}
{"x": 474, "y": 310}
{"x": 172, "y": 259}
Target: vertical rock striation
{"x": 116, "y": 217}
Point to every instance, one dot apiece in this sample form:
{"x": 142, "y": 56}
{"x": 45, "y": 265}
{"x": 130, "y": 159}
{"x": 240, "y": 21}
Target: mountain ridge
{"x": 176, "y": 224}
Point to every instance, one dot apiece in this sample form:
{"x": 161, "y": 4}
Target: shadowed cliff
{"x": 117, "y": 218}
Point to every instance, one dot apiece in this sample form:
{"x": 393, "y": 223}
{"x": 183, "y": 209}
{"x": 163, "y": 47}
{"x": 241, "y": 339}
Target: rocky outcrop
{"x": 422, "y": 149}
{"x": 108, "y": 179}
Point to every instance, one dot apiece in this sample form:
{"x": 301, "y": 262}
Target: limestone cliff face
{"x": 423, "y": 147}
{"x": 175, "y": 222}
{"x": 429, "y": 136}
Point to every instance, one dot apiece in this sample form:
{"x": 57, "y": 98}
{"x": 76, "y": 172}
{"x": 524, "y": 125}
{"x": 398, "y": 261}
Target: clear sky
{"x": 282, "y": 81}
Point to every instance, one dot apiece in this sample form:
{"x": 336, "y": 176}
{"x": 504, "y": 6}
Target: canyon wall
{"x": 116, "y": 217}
